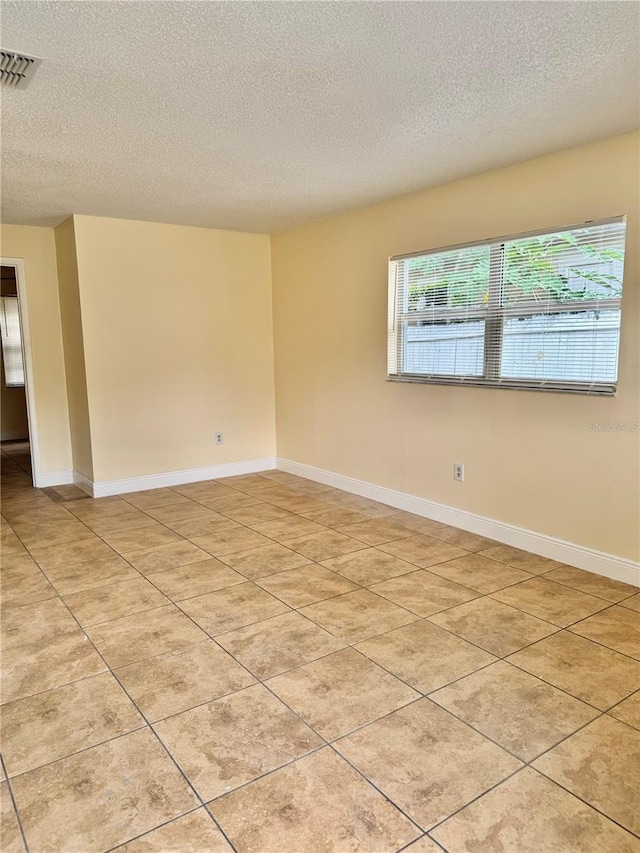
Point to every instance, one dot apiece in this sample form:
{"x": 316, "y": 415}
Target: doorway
{"x": 19, "y": 433}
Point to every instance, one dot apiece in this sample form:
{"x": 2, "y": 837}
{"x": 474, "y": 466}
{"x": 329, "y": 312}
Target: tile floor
{"x": 267, "y": 665}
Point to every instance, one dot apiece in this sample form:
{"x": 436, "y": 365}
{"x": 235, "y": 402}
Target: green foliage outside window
{"x": 533, "y": 269}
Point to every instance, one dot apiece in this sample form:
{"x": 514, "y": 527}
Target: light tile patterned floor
{"x": 268, "y": 665}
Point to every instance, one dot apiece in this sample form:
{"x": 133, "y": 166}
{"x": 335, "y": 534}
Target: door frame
{"x": 27, "y": 356}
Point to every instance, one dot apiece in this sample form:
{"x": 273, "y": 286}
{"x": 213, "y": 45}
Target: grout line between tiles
{"x": 143, "y": 725}
{"x": 159, "y": 826}
{"x": 598, "y": 643}
{"x": 529, "y": 764}
{"x": 592, "y": 594}
{"x": 588, "y": 804}
{"x": 15, "y": 805}
{"x": 607, "y": 606}
{"x": 615, "y": 705}
{"x": 544, "y": 681}
{"x": 267, "y": 773}
{"x": 475, "y": 799}
{"x": 426, "y": 836}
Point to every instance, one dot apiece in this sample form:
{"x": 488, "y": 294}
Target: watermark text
{"x": 614, "y": 426}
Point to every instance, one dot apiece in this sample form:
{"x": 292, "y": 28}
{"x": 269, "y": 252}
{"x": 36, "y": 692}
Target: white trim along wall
{"x": 609, "y": 565}
{"x": 172, "y": 478}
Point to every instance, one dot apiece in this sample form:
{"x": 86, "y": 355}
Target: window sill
{"x": 603, "y": 390}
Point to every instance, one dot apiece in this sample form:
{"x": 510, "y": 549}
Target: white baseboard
{"x": 83, "y": 483}
{"x": 54, "y": 478}
{"x": 106, "y": 488}
{"x": 609, "y": 565}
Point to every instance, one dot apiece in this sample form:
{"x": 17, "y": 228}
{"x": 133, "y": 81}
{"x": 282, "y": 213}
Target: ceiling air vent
{"x": 17, "y": 69}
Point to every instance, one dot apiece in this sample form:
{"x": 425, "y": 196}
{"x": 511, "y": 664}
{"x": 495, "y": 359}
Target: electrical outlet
{"x": 219, "y": 438}
{"x": 458, "y": 471}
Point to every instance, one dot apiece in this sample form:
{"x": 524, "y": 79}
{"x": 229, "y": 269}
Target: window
{"x": 11, "y": 342}
{"x": 539, "y": 310}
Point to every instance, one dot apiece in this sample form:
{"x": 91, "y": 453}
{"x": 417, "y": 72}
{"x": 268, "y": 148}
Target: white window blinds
{"x": 539, "y": 310}
{"x": 11, "y": 342}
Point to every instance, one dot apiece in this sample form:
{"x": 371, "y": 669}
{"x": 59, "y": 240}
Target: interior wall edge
{"x": 54, "y": 478}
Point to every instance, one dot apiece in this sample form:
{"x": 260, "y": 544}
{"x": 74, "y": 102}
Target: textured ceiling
{"x": 262, "y": 115}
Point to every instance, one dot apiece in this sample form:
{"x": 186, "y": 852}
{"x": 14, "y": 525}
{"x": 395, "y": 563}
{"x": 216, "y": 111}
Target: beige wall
{"x": 177, "y": 327}
{"x": 37, "y": 248}
{"x": 71, "y": 314}
{"x": 531, "y": 459}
